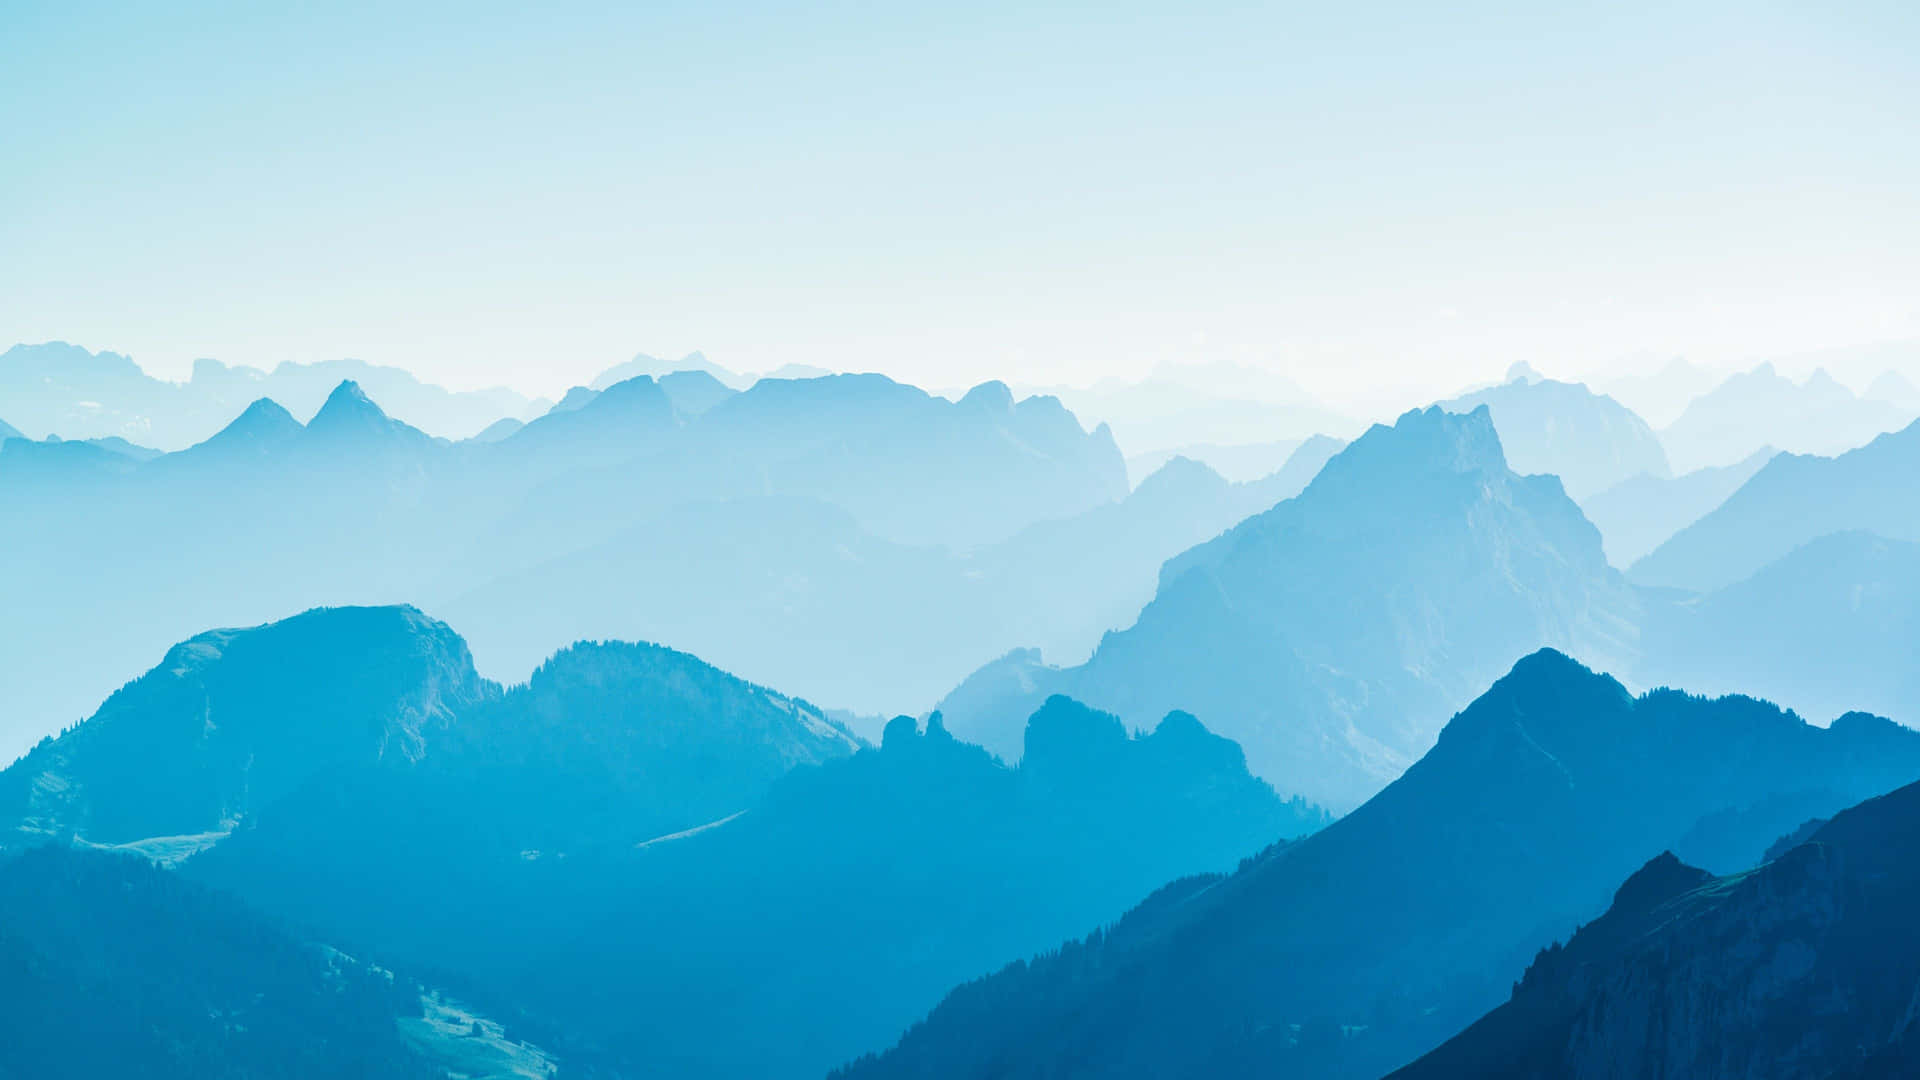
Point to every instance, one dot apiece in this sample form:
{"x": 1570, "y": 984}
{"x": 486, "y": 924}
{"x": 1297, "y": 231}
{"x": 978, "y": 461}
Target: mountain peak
{"x": 1663, "y": 878}
{"x": 262, "y": 424}
{"x": 1522, "y": 371}
{"x": 348, "y": 404}
{"x": 1421, "y": 442}
{"x": 349, "y": 414}
{"x": 993, "y": 395}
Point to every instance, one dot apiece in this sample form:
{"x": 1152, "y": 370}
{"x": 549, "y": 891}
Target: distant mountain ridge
{"x": 270, "y": 515}
{"x": 1791, "y": 500}
{"x": 1332, "y": 634}
{"x": 1590, "y": 441}
{"x": 1762, "y": 407}
{"x": 65, "y": 390}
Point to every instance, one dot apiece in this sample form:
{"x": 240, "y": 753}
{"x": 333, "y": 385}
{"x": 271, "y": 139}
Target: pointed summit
{"x": 350, "y": 416}
{"x": 263, "y": 426}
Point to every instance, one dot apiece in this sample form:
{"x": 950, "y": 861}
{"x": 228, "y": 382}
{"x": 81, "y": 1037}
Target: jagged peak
{"x": 1663, "y": 878}
{"x": 1523, "y": 372}
{"x": 1421, "y": 441}
{"x": 346, "y": 404}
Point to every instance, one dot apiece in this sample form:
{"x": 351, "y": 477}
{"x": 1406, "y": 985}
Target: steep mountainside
{"x": 1370, "y": 942}
{"x": 1333, "y": 634}
{"x": 1805, "y": 967}
{"x": 112, "y": 967}
{"x": 1792, "y": 500}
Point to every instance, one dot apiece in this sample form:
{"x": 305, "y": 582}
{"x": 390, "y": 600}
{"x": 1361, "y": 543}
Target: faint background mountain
{"x": 1590, "y": 441}
{"x": 1642, "y": 512}
{"x": 1333, "y": 634}
{"x": 1793, "y": 499}
{"x": 1219, "y": 403}
{"x": 61, "y": 389}
{"x": 270, "y": 515}
{"x": 1764, "y": 408}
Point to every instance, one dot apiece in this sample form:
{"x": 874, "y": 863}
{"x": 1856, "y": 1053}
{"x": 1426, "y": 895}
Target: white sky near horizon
{"x": 1385, "y": 201}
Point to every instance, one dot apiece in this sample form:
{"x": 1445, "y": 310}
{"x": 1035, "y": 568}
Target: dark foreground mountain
{"x": 110, "y": 966}
{"x": 1360, "y": 947}
{"x": 1805, "y": 967}
{"x": 1333, "y": 634}
{"x": 774, "y": 942}
{"x": 1792, "y": 500}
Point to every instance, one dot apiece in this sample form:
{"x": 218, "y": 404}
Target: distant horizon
{"x": 1403, "y": 197}
{"x": 1854, "y": 367}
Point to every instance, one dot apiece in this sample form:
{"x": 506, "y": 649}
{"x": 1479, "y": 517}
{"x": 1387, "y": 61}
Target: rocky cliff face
{"x": 1804, "y": 968}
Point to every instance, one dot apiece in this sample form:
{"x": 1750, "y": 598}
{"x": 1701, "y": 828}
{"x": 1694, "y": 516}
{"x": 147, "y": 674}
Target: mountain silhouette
{"x": 1590, "y": 441}
{"x": 231, "y": 720}
{"x": 349, "y": 420}
{"x": 1368, "y": 943}
{"x": 771, "y": 942}
{"x": 1791, "y": 500}
{"x": 1332, "y": 634}
{"x": 1807, "y": 966}
{"x": 79, "y": 394}
{"x": 8, "y": 431}
{"x": 269, "y": 516}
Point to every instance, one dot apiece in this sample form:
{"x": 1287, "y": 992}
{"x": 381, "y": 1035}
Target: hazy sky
{"x": 1361, "y": 195}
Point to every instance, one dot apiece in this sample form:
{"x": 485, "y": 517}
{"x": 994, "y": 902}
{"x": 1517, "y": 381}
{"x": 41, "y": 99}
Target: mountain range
{"x": 1762, "y": 407}
{"x": 1590, "y": 441}
{"x": 346, "y": 772}
{"x": 1791, "y": 500}
{"x": 65, "y": 390}
{"x": 1359, "y": 948}
{"x": 271, "y": 515}
{"x": 1334, "y": 633}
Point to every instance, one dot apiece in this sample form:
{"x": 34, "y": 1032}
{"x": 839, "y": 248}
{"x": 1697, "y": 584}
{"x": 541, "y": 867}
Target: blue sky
{"x": 1356, "y": 194}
